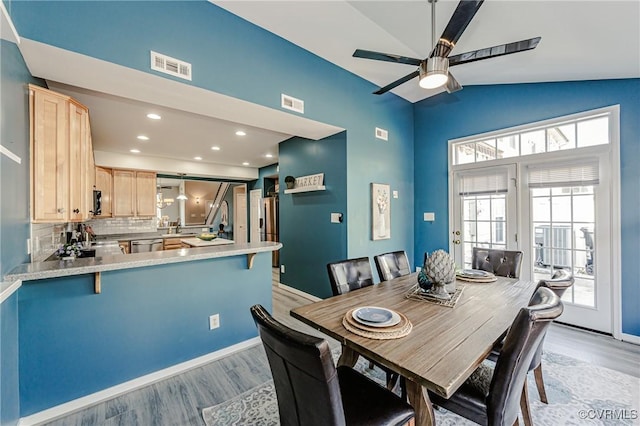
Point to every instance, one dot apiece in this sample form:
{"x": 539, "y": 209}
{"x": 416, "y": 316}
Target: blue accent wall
{"x": 308, "y": 238}
{"x": 9, "y": 388}
{"x": 14, "y": 212}
{"x": 479, "y": 109}
{"x": 74, "y": 342}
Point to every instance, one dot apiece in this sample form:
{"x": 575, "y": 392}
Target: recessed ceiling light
{"x": 143, "y": 137}
{"x": 246, "y": 163}
{"x": 241, "y": 133}
{"x": 153, "y": 116}
{"x": 269, "y": 155}
{"x": 215, "y": 148}
{"x": 197, "y": 158}
{"x": 135, "y": 151}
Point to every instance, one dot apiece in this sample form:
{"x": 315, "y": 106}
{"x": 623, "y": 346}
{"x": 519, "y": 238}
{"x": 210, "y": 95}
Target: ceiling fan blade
{"x": 452, "y": 84}
{"x": 464, "y": 13}
{"x": 396, "y": 83}
{"x": 377, "y": 56}
{"x": 495, "y": 51}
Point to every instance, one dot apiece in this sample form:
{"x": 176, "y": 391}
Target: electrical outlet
{"x": 282, "y": 269}
{"x": 28, "y": 246}
{"x": 214, "y": 321}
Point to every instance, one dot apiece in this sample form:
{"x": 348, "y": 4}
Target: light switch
{"x": 395, "y": 194}
{"x": 336, "y": 217}
{"x": 429, "y": 217}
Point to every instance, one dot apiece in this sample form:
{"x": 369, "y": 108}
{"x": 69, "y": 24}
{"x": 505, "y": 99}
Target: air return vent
{"x": 382, "y": 134}
{"x": 292, "y": 103}
{"x": 171, "y": 66}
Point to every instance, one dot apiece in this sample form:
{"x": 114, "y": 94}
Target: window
{"x": 571, "y": 134}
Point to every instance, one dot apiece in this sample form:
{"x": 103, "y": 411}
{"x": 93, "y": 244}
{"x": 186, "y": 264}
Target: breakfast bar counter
{"x": 62, "y": 268}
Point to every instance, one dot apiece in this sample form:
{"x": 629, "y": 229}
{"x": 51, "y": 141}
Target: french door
{"x": 484, "y": 211}
{"x": 557, "y": 222}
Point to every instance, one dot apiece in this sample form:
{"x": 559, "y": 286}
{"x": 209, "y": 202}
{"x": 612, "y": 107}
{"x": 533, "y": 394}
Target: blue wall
{"x": 479, "y": 109}
{"x": 144, "y": 320}
{"x": 309, "y": 239}
{"x": 14, "y": 212}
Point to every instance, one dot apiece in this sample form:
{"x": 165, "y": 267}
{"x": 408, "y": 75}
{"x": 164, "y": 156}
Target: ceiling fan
{"x": 434, "y": 70}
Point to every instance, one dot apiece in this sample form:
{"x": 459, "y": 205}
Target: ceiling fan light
{"x": 434, "y": 72}
{"x": 181, "y": 197}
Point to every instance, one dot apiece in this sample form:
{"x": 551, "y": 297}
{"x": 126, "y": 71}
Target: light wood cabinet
{"x": 61, "y": 184}
{"x": 103, "y": 184}
{"x": 172, "y": 243}
{"x": 134, "y": 193}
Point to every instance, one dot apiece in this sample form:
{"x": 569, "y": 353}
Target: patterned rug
{"x": 579, "y": 394}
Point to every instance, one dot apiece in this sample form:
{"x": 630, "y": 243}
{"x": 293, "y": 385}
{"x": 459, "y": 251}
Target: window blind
{"x": 585, "y": 173}
{"x": 493, "y": 182}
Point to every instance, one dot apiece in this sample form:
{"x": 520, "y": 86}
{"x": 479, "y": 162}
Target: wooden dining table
{"x": 445, "y": 345}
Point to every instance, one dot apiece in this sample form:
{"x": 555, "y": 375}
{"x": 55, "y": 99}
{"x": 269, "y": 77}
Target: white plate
{"x": 395, "y": 317}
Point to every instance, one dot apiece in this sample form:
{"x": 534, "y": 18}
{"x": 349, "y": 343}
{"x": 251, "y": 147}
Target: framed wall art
{"x": 380, "y": 211}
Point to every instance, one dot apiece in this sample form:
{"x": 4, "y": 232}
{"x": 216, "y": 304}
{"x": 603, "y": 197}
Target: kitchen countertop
{"x": 88, "y": 265}
{"x": 197, "y": 242}
{"x": 144, "y": 236}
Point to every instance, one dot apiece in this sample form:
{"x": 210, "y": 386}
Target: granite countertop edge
{"x": 55, "y": 269}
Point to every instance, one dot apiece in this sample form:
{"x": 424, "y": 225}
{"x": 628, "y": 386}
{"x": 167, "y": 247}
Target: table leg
{"x": 419, "y": 400}
{"x": 348, "y": 357}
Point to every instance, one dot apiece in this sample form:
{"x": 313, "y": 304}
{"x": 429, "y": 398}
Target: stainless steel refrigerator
{"x": 269, "y": 225}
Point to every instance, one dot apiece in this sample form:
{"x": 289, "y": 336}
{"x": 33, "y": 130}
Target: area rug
{"x": 579, "y": 394}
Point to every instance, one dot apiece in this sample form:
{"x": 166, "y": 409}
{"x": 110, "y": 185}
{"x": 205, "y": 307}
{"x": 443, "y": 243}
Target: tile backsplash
{"x": 123, "y": 225}
{"x": 47, "y": 237}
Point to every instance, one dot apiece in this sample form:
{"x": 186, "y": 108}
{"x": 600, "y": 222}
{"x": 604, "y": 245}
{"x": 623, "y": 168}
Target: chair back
{"x": 559, "y": 283}
{"x": 392, "y": 265}
{"x": 350, "y": 274}
{"x": 523, "y": 338}
{"x": 504, "y": 263}
{"x": 303, "y": 373}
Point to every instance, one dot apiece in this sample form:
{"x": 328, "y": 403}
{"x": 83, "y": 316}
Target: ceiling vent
{"x": 171, "y": 66}
{"x": 292, "y": 103}
{"x": 382, "y": 134}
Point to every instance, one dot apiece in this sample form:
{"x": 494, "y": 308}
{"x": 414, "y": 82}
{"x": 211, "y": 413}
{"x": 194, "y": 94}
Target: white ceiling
{"x": 581, "y": 40}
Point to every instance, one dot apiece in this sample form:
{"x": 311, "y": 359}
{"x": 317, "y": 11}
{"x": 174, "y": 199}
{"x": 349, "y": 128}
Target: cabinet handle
{"x": 60, "y": 210}
{"x": 76, "y": 211}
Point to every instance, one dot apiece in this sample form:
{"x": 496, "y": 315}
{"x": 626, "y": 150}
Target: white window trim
{"x": 613, "y": 149}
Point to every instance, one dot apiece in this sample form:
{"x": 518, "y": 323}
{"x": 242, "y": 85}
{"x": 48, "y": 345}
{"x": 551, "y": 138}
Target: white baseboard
{"x": 630, "y": 338}
{"x": 67, "y": 408}
{"x": 300, "y": 293}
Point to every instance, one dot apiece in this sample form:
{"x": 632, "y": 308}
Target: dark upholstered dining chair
{"x": 352, "y": 274}
{"x": 311, "y": 391}
{"x": 504, "y": 263}
{"x": 493, "y": 396}
{"x": 349, "y": 274}
{"x": 392, "y": 265}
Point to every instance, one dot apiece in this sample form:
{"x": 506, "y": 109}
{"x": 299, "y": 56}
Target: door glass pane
{"x": 484, "y": 209}
{"x": 469, "y": 208}
{"x": 563, "y": 238}
{"x": 561, "y": 209}
{"x": 484, "y": 232}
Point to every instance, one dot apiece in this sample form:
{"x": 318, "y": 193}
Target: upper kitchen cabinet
{"x": 134, "y": 193}
{"x": 61, "y": 170}
{"x": 104, "y": 185}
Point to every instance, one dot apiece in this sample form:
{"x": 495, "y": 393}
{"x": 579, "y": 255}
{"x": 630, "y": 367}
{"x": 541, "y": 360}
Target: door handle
{"x": 456, "y": 241}
{"x": 456, "y": 232}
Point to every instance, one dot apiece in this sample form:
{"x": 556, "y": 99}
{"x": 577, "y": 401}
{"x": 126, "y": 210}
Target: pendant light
{"x": 181, "y": 196}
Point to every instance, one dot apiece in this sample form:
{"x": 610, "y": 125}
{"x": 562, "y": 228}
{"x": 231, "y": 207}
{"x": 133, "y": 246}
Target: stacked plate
{"x": 476, "y": 275}
{"x": 377, "y": 323}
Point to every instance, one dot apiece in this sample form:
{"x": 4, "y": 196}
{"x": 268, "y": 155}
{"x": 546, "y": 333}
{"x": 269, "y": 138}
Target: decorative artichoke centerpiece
{"x": 440, "y": 268}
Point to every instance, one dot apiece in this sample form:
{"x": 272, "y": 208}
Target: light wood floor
{"x": 179, "y": 400}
